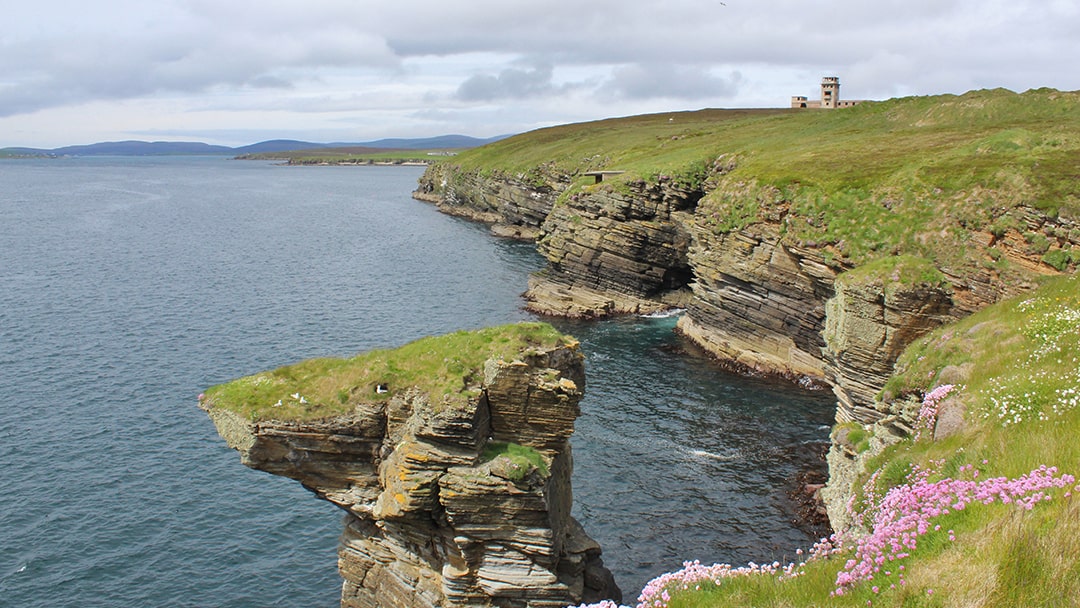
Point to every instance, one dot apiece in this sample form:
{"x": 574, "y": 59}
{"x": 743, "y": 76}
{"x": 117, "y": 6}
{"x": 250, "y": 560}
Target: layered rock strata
{"x": 513, "y": 206}
{"x": 764, "y": 300}
{"x": 869, "y": 322}
{"x": 758, "y": 302}
{"x": 611, "y": 251}
{"x": 439, "y": 512}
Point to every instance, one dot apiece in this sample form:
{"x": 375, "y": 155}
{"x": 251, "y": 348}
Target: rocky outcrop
{"x": 755, "y": 298}
{"x": 875, "y": 313}
{"x": 611, "y": 251}
{"x": 514, "y": 206}
{"x": 759, "y": 302}
{"x": 765, "y": 302}
{"x": 448, "y": 505}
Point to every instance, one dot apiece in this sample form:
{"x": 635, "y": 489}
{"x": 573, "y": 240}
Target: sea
{"x": 128, "y": 285}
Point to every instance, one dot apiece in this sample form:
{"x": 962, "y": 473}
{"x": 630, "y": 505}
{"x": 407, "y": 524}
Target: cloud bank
{"x": 353, "y": 68}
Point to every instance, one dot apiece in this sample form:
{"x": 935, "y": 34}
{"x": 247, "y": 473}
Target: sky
{"x": 236, "y": 72}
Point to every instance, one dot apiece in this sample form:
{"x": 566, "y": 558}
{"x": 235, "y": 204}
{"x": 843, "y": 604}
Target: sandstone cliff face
{"x": 514, "y": 206}
{"x": 612, "y": 252}
{"x": 869, "y": 321}
{"x": 765, "y": 303}
{"x": 435, "y": 516}
{"x": 758, "y": 302}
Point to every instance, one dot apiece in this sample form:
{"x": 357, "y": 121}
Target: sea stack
{"x": 455, "y": 480}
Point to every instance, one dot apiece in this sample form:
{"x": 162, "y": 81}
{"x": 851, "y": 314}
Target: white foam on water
{"x": 711, "y": 455}
{"x": 664, "y": 314}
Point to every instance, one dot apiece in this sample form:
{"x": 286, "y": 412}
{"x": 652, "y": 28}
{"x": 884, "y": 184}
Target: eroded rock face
{"x": 759, "y": 302}
{"x": 514, "y": 206}
{"x": 433, "y": 522}
{"x": 613, "y": 252}
{"x": 754, "y": 298}
{"x": 868, "y": 326}
{"x": 765, "y": 303}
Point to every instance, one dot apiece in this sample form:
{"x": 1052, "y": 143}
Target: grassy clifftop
{"x": 920, "y": 176}
{"x": 1028, "y": 143}
{"x": 449, "y": 369}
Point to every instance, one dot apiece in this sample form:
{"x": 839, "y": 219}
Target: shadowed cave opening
{"x": 677, "y": 278}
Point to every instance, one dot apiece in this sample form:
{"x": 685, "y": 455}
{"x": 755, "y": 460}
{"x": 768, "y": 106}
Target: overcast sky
{"x": 236, "y": 72}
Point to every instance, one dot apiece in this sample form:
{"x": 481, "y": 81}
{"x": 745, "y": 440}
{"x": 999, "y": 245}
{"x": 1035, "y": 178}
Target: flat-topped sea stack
{"x": 450, "y": 456}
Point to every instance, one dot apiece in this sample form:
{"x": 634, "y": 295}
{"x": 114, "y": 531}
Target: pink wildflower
{"x": 929, "y": 410}
{"x": 904, "y": 514}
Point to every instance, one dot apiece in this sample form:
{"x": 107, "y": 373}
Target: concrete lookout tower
{"x": 830, "y": 92}
{"x": 830, "y": 97}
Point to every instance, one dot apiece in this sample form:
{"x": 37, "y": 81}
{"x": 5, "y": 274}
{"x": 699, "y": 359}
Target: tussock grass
{"x": 522, "y": 457}
{"x": 449, "y": 369}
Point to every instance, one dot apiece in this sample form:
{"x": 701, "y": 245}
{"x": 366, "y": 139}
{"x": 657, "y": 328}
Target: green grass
{"x": 1024, "y": 360}
{"x": 522, "y": 457}
{"x": 905, "y": 176}
{"x": 646, "y": 145}
{"x": 810, "y": 589}
{"x": 853, "y": 436}
{"x": 449, "y": 369}
{"x": 948, "y": 142}
{"x": 894, "y": 272}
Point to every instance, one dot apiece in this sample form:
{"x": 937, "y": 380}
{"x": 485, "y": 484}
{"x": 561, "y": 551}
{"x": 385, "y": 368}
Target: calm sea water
{"x": 128, "y": 285}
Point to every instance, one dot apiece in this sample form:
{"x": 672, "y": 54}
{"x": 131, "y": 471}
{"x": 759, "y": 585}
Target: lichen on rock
{"x": 434, "y": 518}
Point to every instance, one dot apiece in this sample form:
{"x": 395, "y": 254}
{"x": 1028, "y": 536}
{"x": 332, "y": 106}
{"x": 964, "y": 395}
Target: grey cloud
{"x": 943, "y": 37}
{"x": 510, "y": 83}
{"x": 62, "y": 52}
{"x": 601, "y": 31}
{"x": 267, "y": 81}
{"x": 658, "y": 80}
{"x": 187, "y": 56}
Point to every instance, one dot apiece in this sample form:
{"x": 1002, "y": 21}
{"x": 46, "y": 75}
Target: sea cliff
{"x": 875, "y": 250}
{"x": 813, "y": 246}
{"x": 450, "y": 457}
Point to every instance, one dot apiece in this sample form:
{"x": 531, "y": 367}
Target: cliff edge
{"x": 450, "y": 457}
{"x": 813, "y": 246}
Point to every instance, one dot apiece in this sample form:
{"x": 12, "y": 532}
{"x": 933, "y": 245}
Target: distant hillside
{"x": 169, "y": 148}
{"x": 141, "y": 148}
{"x": 276, "y": 145}
{"x": 429, "y": 143}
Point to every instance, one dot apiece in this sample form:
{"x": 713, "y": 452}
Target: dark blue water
{"x": 129, "y": 285}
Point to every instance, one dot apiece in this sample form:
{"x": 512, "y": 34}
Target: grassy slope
{"x": 448, "y": 368}
{"x": 641, "y": 145}
{"x": 947, "y": 141}
{"x": 1022, "y": 401}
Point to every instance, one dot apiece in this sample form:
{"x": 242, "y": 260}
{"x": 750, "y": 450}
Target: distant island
{"x": 432, "y": 145}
